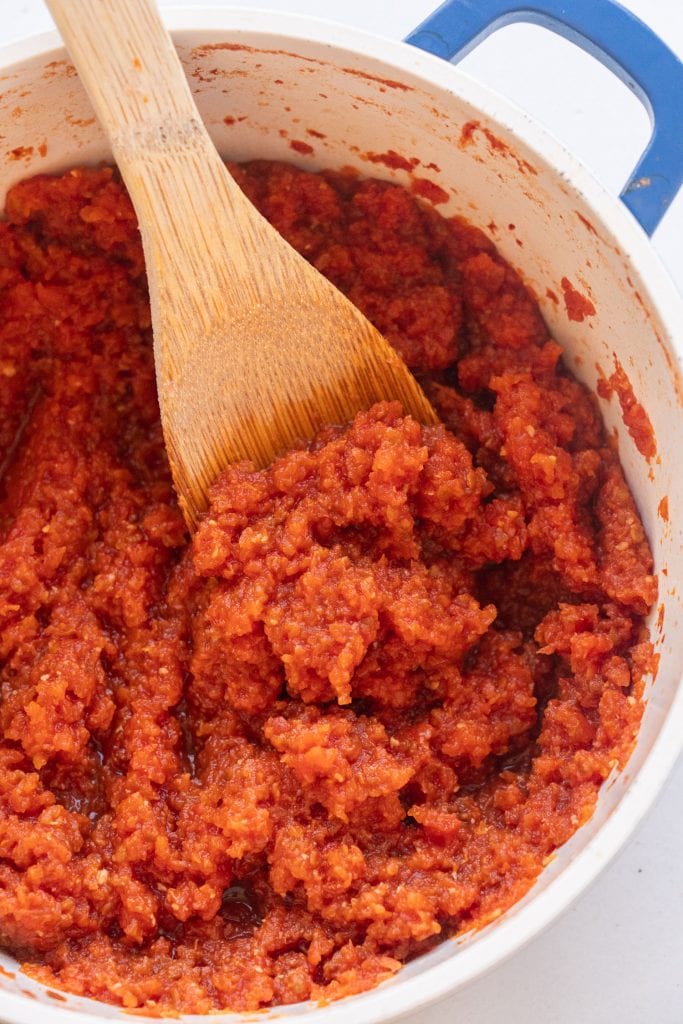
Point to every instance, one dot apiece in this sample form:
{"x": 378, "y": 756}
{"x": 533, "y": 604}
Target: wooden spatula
{"x": 254, "y": 349}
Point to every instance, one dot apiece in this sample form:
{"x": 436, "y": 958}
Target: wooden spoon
{"x": 254, "y": 349}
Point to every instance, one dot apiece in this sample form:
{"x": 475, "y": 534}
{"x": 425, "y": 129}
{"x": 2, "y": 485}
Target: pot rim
{"x": 402, "y": 994}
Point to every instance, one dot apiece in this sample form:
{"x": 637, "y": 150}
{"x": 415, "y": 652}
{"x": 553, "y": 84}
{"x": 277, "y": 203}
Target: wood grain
{"x": 254, "y": 349}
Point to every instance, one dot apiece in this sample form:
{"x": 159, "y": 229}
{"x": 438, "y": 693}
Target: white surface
{"x": 617, "y": 954}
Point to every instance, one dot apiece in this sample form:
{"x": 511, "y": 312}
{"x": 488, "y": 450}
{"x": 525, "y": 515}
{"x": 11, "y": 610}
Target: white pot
{"x": 366, "y": 94}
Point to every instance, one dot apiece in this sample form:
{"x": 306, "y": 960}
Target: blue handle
{"x": 621, "y": 42}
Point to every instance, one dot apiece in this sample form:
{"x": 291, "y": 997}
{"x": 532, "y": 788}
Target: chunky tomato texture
{"x": 385, "y": 680}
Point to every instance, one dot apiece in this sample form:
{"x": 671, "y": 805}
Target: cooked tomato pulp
{"x": 359, "y": 711}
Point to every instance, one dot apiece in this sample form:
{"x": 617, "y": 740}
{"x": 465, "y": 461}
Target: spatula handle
{"x": 130, "y": 69}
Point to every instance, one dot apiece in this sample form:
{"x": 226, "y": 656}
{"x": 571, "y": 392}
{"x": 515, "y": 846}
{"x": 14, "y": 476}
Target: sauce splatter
{"x": 390, "y": 83}
{"x": 429, "y": 190}
{"x": 577, "y": 305}
{"x": 395, "y": 161}
{"x": 301, "y": 147}
{"x": 470, "y": 128}
{"x": 586, "y": 223}
{"x": 661, "y": 611}
{"x": 21, "y": 153}
{"x": 79, "y": 122}
{"x": 467, "y": 133}
{"x": 635, "y": 417}
{"x": 663, "y": 509}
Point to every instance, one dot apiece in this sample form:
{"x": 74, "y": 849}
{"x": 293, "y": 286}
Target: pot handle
{"x": 620, "y": 41}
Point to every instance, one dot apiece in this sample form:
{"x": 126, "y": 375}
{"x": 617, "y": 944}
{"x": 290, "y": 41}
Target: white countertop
{"x": 617, "y": 955}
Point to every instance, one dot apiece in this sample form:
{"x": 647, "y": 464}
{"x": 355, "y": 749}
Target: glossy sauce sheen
{"x": 386, "y": 680}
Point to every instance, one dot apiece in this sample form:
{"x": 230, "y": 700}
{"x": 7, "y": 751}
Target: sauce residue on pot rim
{"x": 635, "y": 417}
{"x": 578, "y": 306}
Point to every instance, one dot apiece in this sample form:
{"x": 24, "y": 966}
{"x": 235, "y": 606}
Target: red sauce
{"x": 301, "y": 147}
{"x": 422, "y": 187}
{"x": 390, "y": 83}
{"x": 393, "y": 160}
{"x": 470, "y": 128}
{"x": 635, "y": 417}
{"x": 200, "y": 52}
{"x": 661, "y": 611}
{"x": 467, "y": 132}
{"x": 359, "y": 712}
{"x": 429, "y": 190}
{"x": 639, "y": 299}
{"x": 494, "y": 142}
{"x": 208, "y": 48}
{"x": 663, "y": 509}
{"x": 586, "y": 223}
{"x": 577, "y": 305}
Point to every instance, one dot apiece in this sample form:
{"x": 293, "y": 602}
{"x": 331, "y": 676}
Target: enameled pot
{"x": 290, "y": 88}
